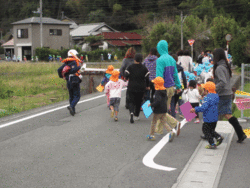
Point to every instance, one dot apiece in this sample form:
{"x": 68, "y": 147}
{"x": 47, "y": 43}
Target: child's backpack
{"x": 63, "y": 70}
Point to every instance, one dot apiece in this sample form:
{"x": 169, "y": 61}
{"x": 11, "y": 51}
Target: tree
{"x": 221, "y": 26}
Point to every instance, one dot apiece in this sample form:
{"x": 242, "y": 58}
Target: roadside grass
{"x": 24, "y": 86}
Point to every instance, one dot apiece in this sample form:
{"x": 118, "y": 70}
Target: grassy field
{"x": 25, "y": 86}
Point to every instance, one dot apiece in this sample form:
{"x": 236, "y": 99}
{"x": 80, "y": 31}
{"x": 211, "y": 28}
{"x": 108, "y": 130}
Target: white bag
{"x": 184, "y": 96}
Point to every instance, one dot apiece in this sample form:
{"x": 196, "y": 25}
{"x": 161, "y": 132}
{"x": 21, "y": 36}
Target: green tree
{"x": 221, "y": 26}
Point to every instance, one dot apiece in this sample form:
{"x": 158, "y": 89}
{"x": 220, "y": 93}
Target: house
{"x": 119, "y": 40}
{"x": 85, "y": 30}
{"x": 27, "y": 35}
{"x": 9, "y": 47}
{"x": 73, "y": 25}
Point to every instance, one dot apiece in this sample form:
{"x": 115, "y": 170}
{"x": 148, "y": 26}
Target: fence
{"x": 245, "y": 86}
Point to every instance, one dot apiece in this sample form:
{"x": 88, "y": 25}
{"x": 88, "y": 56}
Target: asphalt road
{"x": 50, "y": 148}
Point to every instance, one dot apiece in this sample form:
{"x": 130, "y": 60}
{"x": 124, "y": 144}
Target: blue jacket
{"x": 166, "y": 66}
{"x": 209, "y": 108}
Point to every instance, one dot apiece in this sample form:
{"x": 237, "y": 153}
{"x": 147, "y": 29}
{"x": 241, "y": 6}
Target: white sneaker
{"x": 136, "y": 118}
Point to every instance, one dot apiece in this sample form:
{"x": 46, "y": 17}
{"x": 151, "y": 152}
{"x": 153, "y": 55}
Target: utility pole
{"x": 41, "y": 24}
{"x": 182, "y": 21}
{"x": 39, "y": 11}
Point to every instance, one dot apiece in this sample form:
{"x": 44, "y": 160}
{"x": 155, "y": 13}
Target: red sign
{"x": 191, "y": 42}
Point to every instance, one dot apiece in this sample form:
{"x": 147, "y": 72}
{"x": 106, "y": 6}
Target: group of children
{"x": 200, "y": 93}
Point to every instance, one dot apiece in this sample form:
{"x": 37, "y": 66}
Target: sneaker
{"x": 150, "y": 137}
{"x": 219, "y": 141}
{"x": 242, "y": 139}
{"x": 112, "y": 113}
{"x": 71, "y": 111}
{"x": 131, "y": 118}
{"x": 211, "y": 146}
{"x": 178, "y": 128}
{"x": 171, "y": 136}
{"x": 116, "y": 119}
{"x": 137, "y": 118}
{"x": 197, "y": 121}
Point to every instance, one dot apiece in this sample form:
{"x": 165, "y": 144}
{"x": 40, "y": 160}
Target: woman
{"x": 222, "y": 74}
{"x": 128, "y": 60}
{"x": 138, "y": 76}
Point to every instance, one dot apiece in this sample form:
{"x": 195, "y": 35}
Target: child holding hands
{"x": 210, "y": 115}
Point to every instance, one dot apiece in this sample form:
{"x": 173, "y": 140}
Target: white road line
{"x": 148, "y": 159}
{"x": 46, "y": 112}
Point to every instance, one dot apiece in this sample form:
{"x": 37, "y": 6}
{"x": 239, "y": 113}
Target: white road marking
{"x": 46, "y": 112}
{"x": 148, "y": 159}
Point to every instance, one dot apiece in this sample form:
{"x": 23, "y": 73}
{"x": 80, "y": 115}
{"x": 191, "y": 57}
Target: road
{"x": 47, "y": 147}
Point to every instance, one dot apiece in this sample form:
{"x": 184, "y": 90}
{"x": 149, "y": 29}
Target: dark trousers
{"x": 135, "y": 102}
{"x": 174, "y": 101}
{"x": 150, "y": 93}
{"x": 74, "y": 94}
{"x": 209, "y": 131}
{"x": 195, "y": 105}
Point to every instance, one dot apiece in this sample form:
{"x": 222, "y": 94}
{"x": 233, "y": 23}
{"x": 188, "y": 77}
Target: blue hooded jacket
{"x": 209, "y": 108}
{"x": 166, "y": 66}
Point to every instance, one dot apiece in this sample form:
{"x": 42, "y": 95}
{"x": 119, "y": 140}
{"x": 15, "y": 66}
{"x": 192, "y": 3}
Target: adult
{"x": 70, "y": 72}
{"x": 183, "y": 80}
{"x": 150, "y": 63}
{"x": 222, "y": 75}
{"x": 200, "y": 57}
{"x": 167, "y": 69}
{"x": 138, "y": 76}
{"x": 128, "y": 60}
{"x": 186, "y": 61}
{"x": 179, "y": 54}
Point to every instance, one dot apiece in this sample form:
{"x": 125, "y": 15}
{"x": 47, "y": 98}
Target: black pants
{"x": 195, "y": 105}
{"x": 135, "y": 102}
{"x": 209, "y": 131}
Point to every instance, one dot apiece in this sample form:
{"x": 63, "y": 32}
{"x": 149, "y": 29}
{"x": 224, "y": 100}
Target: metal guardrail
{"x": 245, "y": 80}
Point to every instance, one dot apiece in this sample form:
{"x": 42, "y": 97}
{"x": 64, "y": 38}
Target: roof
{"x": 124, "y": 42}
{"x": 88, "y": 29}
{"x": 8, "y": 43}
{"x": 121, "y": 35}
{"x": 72, "y": 23}
{"x": 36, "y": 20}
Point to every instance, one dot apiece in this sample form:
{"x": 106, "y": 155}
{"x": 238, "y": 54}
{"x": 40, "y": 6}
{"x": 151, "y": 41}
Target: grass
{"x": 24, "y": 86}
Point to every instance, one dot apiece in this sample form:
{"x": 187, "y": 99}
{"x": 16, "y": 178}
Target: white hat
{"x": 72, "y": 52}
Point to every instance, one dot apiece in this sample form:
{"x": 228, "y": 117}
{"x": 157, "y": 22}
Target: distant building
{"x": 119, "y": 40}
{"x": 84, "y": 30}
{"x": 9, "y": 47}
{"x": 27, "y": 35}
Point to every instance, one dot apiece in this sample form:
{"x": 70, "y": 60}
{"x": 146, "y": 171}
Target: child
{"x": 114, "y": 88}
{"x": 207, "y": 73}
{"x": 210, "y": 115}
{"x": 193, "y": 97}
{"x": 160, "y": 111}
{"x": 106, "y": 78}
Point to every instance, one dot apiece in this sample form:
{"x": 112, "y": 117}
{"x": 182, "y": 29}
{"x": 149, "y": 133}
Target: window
{"x": 55, "y": 32}
{"x": 22, "y": 33}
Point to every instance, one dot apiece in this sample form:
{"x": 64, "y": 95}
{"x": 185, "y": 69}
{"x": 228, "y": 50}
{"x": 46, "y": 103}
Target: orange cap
{"x": 110, "y": 69}
{"x": 159, "y": 83}
{"x": 115, "y": 76}
{"x": 210, "y": 86}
